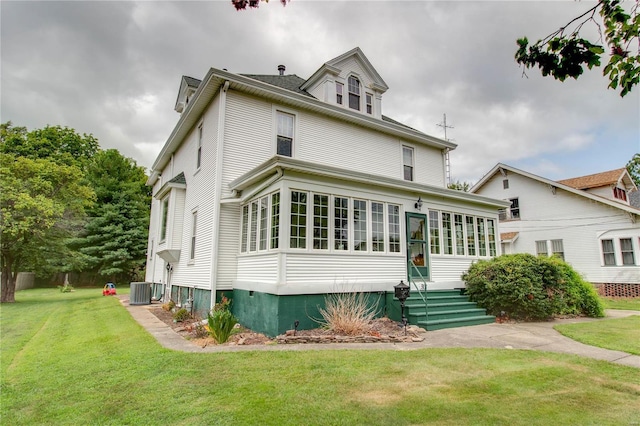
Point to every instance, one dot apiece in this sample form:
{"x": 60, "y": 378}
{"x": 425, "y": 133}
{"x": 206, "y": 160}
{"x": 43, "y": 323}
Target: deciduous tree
{"x": 564, "y": 53}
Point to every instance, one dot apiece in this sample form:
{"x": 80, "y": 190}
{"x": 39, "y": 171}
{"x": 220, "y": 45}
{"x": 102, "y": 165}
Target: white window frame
{"x": 199, "y": 146}
{"x": 339, "y": 93}
{"x": 192, "y": 247}
{"x": 278, "y": 113}
{"x": 622, "y": 252}
{"x": 356, "y": 94}
{"x": 411, "y": 164}
{"x": 611, "y": 253}
{"x": 164, "y": 219}
{"x": 368, "y": 103}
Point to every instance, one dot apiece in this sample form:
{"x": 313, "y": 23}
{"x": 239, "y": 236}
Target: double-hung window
{"x": 608, "y": 253}
{"x": 471, "y": 239}
{"x": 514, "y": 210}
{"x": 557, "y": 248}
{"x": 354, "y": 93}
{"x": 339, "y": 91}
{"x": 369, "y": 102}
{"x": 199, "y": 148}
{"x": 447, "y": 234}
{"x": 407, "y": 162}
{"x": 285, "y": 134}
{"x": 165, "y": 219}
{"x": 194, "y": 222}
{"x": 626, "y": 249}
{"x": 541, "y": 248}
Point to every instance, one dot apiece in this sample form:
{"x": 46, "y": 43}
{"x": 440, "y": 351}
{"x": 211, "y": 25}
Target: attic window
{"x": 620, "y": 194}
{"x": 339, "y": 91}
{"x": 369, "y": 101}
{"x": 505, "y": 184}
{"x": 354, "y": 93}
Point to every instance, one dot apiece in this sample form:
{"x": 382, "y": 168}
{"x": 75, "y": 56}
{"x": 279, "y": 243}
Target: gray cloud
{"x": 113, "y": 69}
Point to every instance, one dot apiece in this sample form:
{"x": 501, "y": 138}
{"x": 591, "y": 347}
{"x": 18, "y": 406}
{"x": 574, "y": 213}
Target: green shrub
{"x": 221, "y": 321}
{"x": 523, "y": 286}
{"x": 181, "y": 315}
{"x": 67, "y": 288}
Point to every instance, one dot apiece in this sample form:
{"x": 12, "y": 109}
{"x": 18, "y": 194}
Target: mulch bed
{"x": 382, "y": 330}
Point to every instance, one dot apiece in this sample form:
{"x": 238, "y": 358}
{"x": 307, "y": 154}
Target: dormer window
{"x": 354, "y": 93}
{"x": 339, "y": 91}
{"x": 620, "y": 194}
{"x": 369, "y": 101}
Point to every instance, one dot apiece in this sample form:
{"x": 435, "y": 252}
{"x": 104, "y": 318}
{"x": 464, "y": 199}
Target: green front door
{"x": 417, "y": 246}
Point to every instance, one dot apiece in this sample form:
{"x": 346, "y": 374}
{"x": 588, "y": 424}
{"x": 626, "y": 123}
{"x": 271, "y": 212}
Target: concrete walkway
{"x": 533, "y": 336}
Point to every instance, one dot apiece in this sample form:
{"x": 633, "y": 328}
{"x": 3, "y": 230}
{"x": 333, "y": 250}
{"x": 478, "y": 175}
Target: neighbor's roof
{"x": 508, "y": 236}
{"x": 595, "y": 180}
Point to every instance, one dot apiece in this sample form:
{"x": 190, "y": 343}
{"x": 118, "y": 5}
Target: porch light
{"x": 401, "y": 292}
{"x": 418, "y": 204}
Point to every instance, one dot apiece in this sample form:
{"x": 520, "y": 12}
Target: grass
{"x": 79, "y": 358}
{"x": 627, "y": 303}
{"x": 620, "y": 334}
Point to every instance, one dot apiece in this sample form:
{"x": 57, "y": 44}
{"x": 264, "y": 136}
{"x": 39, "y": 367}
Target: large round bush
{"x": 523, "y": 286}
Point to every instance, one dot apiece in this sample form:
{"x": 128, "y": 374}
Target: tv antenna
{"x": 447, "y": 162}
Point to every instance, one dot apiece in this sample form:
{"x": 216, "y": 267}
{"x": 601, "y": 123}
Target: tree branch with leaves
{"x": 564, "y": 53}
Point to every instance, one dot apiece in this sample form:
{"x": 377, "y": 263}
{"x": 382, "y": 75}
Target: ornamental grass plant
{"x": 347, "y": 313}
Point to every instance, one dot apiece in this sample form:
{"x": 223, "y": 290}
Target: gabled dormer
{"x": 188, "y": 86}
{"x": 349, "y": 81}
{"x": 613, "y": 184}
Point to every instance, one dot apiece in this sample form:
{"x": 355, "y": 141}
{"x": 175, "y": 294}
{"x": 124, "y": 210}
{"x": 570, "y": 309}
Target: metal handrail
{"x": 412, "y": 281}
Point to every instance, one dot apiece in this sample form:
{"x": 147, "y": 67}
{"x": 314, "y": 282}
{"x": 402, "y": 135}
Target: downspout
{"x": 218, "y": 192}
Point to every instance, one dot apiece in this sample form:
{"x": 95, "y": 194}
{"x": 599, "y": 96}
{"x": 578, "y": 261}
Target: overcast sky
{"x": 113, "y": 69}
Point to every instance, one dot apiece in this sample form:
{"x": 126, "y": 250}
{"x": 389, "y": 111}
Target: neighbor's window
{"x": 298, "y": 238}
{"x": 407, "y": 162}
{"x": 557, "y": 248}
{"x": 165, "y": 219}
{"x": 459, "y": 225}
{"x": 192, "y": 252}
{"x": 359, "y": 225}
{"x": 447, "y": 234}
{"x": 369, "y": 102}
{"x": 620, "y": 194}
{"x": 515, "y": 208}
{"x": 541, "y": 248}
{"x": 354, "y": 93}
{"x": 505, "y": 184}
{"x": 285, "y": 134}
{"x": 626, "y": 248}
{"x": 275, "y": 219}
{"x": 608, "y": 253}
{"x": 320, "y": 222}
{"x": 339, "y": 91}
{"x": 341, "y": 223}
{"x": 377, "y": 226}
{"x": 434, "y": 232}
{"x": 394, "y": 228}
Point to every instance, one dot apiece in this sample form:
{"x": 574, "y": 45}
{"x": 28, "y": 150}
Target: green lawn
{"x": 620, "y": 334}
{"x": 627, "y": 303}
{"x": 79, "y": 358}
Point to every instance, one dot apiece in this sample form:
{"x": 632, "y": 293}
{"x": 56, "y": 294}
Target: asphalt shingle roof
{"x": 594, "y": 180}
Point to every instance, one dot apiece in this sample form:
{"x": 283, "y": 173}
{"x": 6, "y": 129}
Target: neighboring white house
{"x": 587, "y": 221}
{"x": 276, "y": 190}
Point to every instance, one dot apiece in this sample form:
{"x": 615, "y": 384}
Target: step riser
{"x": 446, "y": 315}
{"x": 430, "y": 327}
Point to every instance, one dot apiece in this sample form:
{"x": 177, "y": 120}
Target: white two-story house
{"x": 588, "y": 221}
{"x": 276, "y": 190}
